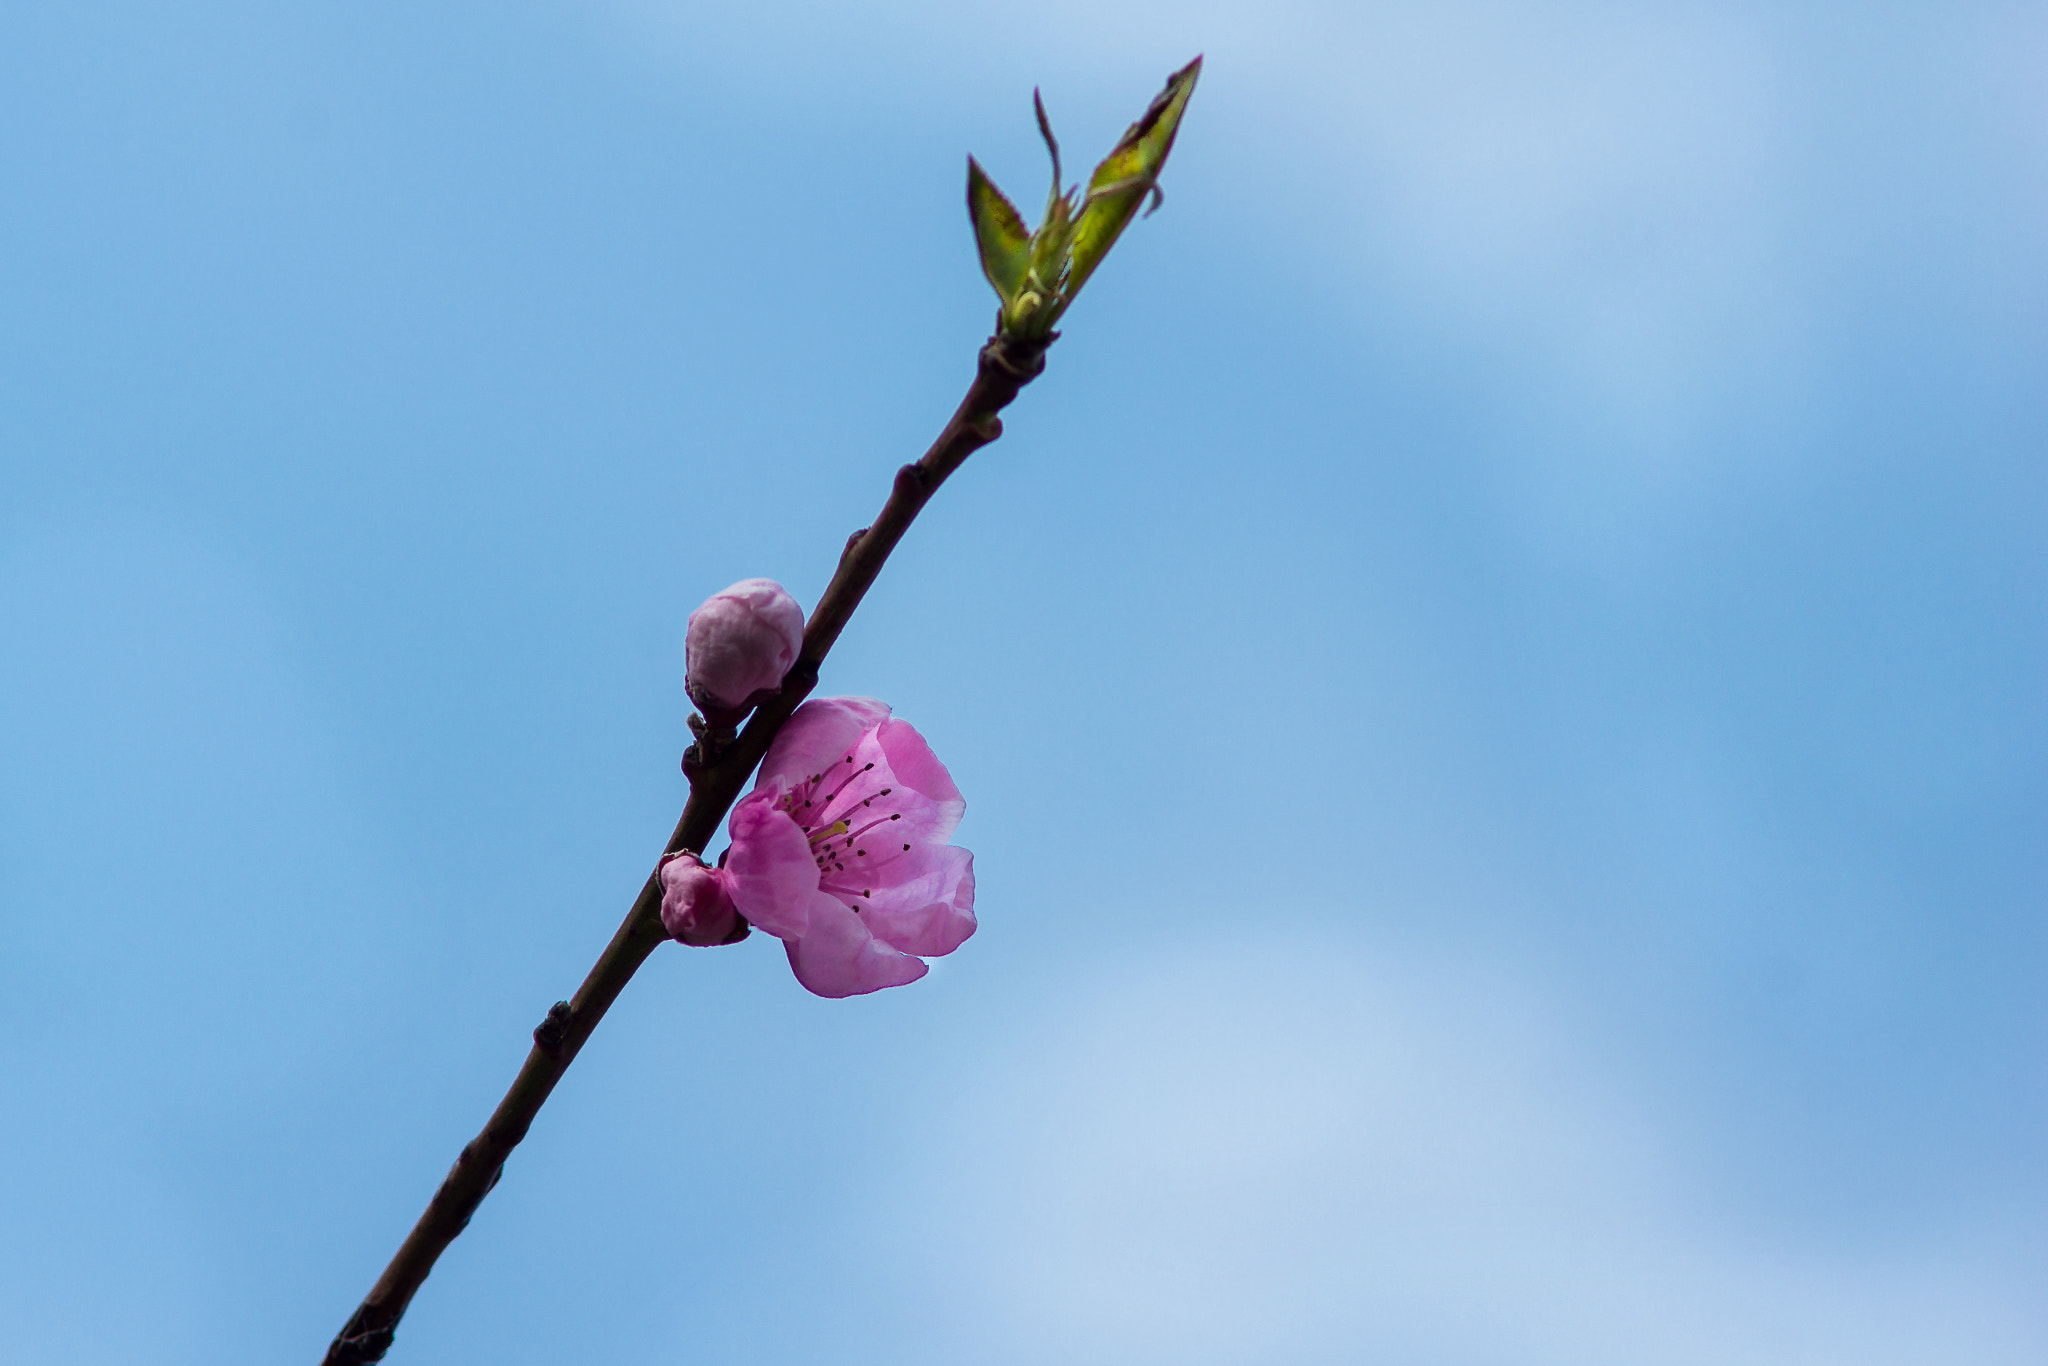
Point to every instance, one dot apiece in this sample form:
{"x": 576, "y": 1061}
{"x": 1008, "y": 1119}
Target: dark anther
{"x": 550, "y": 1033}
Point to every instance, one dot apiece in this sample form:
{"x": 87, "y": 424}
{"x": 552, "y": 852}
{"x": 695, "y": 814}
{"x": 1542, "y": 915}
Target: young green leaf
{"x": 1127, "y": 175}
{"x": 1052, "y": 147}
{"x": 1000, "y": 233}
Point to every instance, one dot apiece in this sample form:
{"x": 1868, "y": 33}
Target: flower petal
{"x": 915, "y": 766}
{"x": 816, "y": 736}
{"x": 839, "y": 957}
{"x": 927, "y": 904}
{"x": 770, "y": 869}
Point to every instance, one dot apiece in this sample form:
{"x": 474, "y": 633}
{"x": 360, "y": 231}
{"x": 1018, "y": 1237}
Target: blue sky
{"x": 1501, "y": 681}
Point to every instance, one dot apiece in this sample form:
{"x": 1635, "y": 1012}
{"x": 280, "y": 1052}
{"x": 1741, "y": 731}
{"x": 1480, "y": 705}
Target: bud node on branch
{"x": 550, "y": 1032}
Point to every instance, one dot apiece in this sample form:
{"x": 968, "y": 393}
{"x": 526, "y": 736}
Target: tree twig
{"x": 716, "y": 773}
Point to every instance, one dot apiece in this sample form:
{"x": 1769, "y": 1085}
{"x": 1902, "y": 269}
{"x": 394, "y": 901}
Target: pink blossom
{"x": 741, "y": 642}
{"x": 840, "y": 850}
{"x": 695, "y": 905}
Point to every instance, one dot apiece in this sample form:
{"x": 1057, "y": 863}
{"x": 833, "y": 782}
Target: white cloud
{"x": 1589, "y": 200}
{"x": 1306, "y": 1151}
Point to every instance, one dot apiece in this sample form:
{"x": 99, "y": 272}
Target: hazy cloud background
{"x": 1499, "y": 679}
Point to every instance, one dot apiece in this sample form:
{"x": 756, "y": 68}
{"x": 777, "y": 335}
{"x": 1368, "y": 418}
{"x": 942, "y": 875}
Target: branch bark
{"x": 717, "y": 772}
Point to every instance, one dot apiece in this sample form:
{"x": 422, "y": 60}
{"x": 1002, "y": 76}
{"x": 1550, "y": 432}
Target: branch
{"x": 717, "y": 772}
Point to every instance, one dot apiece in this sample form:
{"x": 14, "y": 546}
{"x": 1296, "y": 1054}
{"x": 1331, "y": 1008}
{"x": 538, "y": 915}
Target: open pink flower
{"x": 840, "y": 850}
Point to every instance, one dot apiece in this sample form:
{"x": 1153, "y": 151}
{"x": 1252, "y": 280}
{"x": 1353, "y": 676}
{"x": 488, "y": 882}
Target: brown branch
{"x": 717, "y": 772}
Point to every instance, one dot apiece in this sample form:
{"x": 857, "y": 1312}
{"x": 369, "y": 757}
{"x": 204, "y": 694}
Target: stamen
{"x": 844, "y": 785}
{"x": 884, "y": 820}
{"x": 830, "y": 832}
{"x": 802, "y": 790}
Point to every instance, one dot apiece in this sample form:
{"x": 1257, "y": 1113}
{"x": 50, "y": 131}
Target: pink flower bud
{"x": 740, "y": 642}
{"x": 695, "y": 906}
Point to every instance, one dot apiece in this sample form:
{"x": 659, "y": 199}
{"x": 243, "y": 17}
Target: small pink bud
{"x": 695, "y": 906}
{"x": 741, "y": 642}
